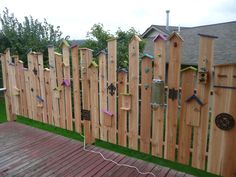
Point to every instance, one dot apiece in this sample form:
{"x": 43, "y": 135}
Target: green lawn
{"x": 105, "y": 145}
{"x": 3, "y": 117}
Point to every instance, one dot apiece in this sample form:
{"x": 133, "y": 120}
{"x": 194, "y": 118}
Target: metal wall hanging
{"x": 85, "y": 114}
{"x": 203, "y": 75}
{"x": 111, "y": 89}
{"x": 173, "y": 94}
{"x": 158, "y": 93}
{"x": 224, "y": 121}
{"x": 66, "y": 83}
{"x": 35, "y": 71}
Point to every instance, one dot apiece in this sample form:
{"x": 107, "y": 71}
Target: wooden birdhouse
{"x": 107, "y": 121}
{"x": 203, "y": 76}
{"x": 193, "y": 110}
{"x": 126, "y": 101}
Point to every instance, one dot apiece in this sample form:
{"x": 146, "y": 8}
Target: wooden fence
{"x": 190, "y": 121}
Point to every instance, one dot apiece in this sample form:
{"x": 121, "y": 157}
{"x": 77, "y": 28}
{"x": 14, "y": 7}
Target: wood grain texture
{"x": 185, "y": 130}
{"x": 134, "y": 91}
{"x": 221, "y": 160}
{"x": 60, "y": 78}
{"x": 173, "y": 83}
{"x": 49, "y": 95}
{"x": 94, "y": 101}
{"x": 103, "y": 93}
{"x": 85, "y": 60}
{"x": 112, "y": 99}
{"x": 122, "y": 114}
{"x": 6, "y": 84}
{"x": 145, "y": 120}
{"x": 68, "y": 101}
{"x": 203, "y": 91}
{"x": 158, "y": 115}
{"x": 76, "y": 88}
{"x": 54, "y": 85}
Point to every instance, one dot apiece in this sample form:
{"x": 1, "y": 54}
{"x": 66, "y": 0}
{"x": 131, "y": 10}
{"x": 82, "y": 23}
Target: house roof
{"x": 224, "y": 48}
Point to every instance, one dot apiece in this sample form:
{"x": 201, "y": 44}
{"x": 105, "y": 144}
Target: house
{"x": 224, "y": 48}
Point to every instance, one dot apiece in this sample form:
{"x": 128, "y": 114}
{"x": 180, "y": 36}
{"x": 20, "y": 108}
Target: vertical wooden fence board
{"x": 76, "y": 88}
{"x": 103, "y": 93}
{"x": 228, "y": 167}
{"x": 158, "y": 115}
{"x": 68, "y": 100}
{"x": 23, "y": 89}
{"x": 122, "y": 114}
{"x": 86, "y": 57}
{"x": 49, "y": 95}
{"x": 221, "y": 159}
{"x": 32, "y": 85}
{"x": 184, "y": 129}
{"x": 28, "y": 93}
{"x": 59, "y": 70}
{"x": 39, "y": 109}
{"x": 134, "y": 91}
{"x": 145, "y": 123}
{"x": 203, "y": 92}
{"x": 18, "y": 84}
{"x": 173, "y": 83}
{"x": 6, "y": 84}
{"x": 54, "y": 86}
{"x": 94, "y": 101}
{"x": 42, "y": 87}
{"x": 112, "y": 62}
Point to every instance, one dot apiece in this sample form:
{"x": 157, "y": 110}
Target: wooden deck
{"x": 26, "y": 151}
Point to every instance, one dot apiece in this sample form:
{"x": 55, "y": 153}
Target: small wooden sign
{"x": 126, "y": 102}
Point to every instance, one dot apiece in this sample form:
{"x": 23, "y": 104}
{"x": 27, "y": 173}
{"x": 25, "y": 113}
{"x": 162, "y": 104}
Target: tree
{"x": 97, "y": 41}
{"x": 30, "y": 34}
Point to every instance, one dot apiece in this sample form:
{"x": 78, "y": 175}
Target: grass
{"x": 105, "y": 145}
{"x": 3, "y": 117}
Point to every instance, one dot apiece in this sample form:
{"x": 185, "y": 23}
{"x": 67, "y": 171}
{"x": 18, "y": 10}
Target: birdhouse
{"x": 193, "y": 110}
{"x": 125, "y": 101}
{"x": 107, "y": 121}
{"x": 203, "y": 76}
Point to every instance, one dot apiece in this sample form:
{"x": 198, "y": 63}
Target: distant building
{"x": 225, "y": 45}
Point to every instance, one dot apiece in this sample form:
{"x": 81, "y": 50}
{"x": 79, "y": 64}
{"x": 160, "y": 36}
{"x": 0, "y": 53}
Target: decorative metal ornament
{"x": 111, "y": 89}
{"x": 173, "y": 94}
{"x": 147, "y": 70}
{"x": 224, "y": 121}
{"x": 35, "y": 71}
{"x": 85, "y": 114}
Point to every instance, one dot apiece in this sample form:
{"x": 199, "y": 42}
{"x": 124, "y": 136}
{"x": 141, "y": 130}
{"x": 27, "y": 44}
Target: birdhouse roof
{"x": 175, "y": 34}
{"x": 93, "y": 63}
{"x": 122, "y": 70}
{"x": 147, "y": 56}
{"x": 64, "y": 42}
{"x": 135, "y": 37}
{"x": 189, "y": 68}
{"x": 194, "y": 97}
{"x": 159, "y": 36}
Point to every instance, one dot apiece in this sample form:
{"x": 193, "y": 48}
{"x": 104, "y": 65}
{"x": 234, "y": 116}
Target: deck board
{"x": 27, "y": 151}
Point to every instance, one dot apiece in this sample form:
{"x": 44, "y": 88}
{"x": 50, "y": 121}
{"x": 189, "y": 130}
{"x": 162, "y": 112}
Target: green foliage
{"x": 30, "y": 34}
{"x": 97, "y": 41}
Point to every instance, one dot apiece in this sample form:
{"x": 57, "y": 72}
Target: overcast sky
{"x": 76, "y": 17}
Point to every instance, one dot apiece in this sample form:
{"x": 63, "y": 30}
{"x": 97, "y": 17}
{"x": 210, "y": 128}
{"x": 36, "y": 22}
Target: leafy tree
{"x": 97, "y": 40}
{"x": 30, "y": 34}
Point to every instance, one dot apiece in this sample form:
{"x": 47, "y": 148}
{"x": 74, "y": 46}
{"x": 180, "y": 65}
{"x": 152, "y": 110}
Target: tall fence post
{"x": 68, "y": 102}
{"x": 134, "y": 91}
{"x": 222, "y": 144}
{"x": 6, "y": 83}
{"x": 205, "y": 63}
{"x": 158, "y": 115}
{"x": 173, "y": 85}
{"x": 76, "y": 87}
{"x": 112, "y": 98}
{"x": 85, "y": 59}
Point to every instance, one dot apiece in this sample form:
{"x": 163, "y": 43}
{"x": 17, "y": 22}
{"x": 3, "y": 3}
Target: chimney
{"x": 167, "y": 19}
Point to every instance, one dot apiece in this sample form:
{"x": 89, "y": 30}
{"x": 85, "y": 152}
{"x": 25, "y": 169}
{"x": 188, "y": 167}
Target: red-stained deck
{"x": 26, "y": 151}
